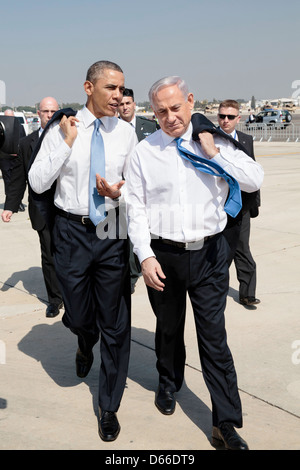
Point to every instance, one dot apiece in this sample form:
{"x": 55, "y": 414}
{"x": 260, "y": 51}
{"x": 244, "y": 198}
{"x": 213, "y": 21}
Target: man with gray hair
{"x": 176, "y": 215}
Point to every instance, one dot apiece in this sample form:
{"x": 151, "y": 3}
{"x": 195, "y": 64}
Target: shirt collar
{"x": 232, "y": 134}
{"x": 133, "y": 122}
{"x": 167, "y": 139}
{"x": 88, "y": 118}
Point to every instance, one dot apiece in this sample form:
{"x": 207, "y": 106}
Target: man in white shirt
{"x": 176, "y": 217}
{"x": 92, "y": 270}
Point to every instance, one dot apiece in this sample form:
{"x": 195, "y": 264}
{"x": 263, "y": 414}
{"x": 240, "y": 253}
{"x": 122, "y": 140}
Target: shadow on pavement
{"x": 54, "y": 346}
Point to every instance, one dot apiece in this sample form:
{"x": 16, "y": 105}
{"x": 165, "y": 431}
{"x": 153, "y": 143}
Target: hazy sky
{"x": 223, "y": 49}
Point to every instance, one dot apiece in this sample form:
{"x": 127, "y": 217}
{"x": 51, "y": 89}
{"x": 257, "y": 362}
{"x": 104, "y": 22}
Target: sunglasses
{"x": 231, "y": 117}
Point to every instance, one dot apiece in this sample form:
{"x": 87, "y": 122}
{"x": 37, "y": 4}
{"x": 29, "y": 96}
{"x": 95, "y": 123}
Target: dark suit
{"x": 13, "y": 199}
{"x": 8, "y": 161}
{"x": 144, "y": 127}
{"x": 237, "y": 232}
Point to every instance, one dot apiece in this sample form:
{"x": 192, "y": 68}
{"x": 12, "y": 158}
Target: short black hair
{"x": 97, "y": 68}
{"x": 128, "y": 92}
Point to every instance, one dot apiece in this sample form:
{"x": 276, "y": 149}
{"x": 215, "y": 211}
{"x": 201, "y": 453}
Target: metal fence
{"x": 264, "y": 133}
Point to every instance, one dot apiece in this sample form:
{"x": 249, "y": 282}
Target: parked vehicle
{"x": 35, "y": 123}
{"x": 272, "y": 117}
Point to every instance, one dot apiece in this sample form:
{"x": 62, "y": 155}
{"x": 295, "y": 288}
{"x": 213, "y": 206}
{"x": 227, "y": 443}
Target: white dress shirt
{"x": 71, "y": 166}
{"x": 167, "y": 197}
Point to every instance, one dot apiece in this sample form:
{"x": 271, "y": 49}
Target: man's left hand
{"x": 106, "y": 190}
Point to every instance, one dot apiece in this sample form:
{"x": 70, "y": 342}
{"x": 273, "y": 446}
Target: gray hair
{"x": 168, "y": 81}
{"x": 98, "y": 68}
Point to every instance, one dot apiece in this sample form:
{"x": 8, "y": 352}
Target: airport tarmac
{"x": 45, "y": 406}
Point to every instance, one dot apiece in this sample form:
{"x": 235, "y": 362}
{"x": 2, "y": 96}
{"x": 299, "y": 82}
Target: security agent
{"x": 143, "y": 126}
{"x": 237, "y": 231}
{"x": 47, "y": 107}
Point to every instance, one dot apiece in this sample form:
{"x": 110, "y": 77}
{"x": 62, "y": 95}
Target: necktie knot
{"x": 97, "y": 123}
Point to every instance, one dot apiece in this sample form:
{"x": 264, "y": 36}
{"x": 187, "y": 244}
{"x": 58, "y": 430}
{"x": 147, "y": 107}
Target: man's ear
{"x": 88, "y": 87}
{"x": 190, "y": 100}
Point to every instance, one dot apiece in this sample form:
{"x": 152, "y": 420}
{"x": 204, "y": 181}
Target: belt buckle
{"x": 186, "y": 245}
{"x": 82, "y": 219}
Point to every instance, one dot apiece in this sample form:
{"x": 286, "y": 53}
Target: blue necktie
{"x": 97, "y": 211}
{"x": 233, "y": 204}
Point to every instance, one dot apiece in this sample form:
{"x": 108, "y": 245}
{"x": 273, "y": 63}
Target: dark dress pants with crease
{"x": 244, "y": 262}
{"x": 95, "y": 283}
{"x": 203, "y": 274}
{"x": 50, "y": 278}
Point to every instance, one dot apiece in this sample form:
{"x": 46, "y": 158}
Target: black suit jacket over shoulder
{"x": 251, "y": 201}
{"x": 45, "y": 201}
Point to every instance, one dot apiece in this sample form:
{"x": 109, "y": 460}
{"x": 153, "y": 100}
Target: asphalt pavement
{"x": 45, "y": 406}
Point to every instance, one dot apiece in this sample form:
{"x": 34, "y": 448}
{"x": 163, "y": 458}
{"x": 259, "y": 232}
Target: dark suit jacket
{"x": 19, "y": 179}
{"x": 251, "y": 201}
{"x": 144, "y": 127}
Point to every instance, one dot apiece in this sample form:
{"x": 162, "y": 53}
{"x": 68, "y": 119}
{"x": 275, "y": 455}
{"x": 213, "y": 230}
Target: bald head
{"x": 9, "y": 112}
{"x": 48, "y": 106}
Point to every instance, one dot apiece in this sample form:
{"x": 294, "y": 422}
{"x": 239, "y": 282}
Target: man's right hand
{"x": 69, "y": 128}
{"x": 152, "y": 272}
{"x": 6, "y": 215}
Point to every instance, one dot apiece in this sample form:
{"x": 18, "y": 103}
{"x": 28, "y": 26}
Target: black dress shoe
{"x": 83, "y": 363}
{"x": 165, "y": 402}
{"x": 109, "y": 427}
{"x": 249, "y": 301}
{"x": 226, "y": 435}
{"x": 53, "y": 310}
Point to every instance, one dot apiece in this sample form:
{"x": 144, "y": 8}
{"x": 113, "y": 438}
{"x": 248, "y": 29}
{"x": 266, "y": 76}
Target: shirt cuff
{"x": 144, "y": 253}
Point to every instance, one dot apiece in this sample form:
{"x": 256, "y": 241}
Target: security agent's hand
{"x": 69, "y": 128}
{"x": 208, "y": 144}
{"x": 152, "y": 272}
{"x": 6, "y": 215}
{"x": 106, "y": 190}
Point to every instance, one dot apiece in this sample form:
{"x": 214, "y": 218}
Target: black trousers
{"x": 6, "y": 167}
{"x": 50, "y": 278}
{"x": 244, "y": 262}
{"x": 95, "y": 283}
{"x": 203, "y": 274}
{"x": 237, "y": 234}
